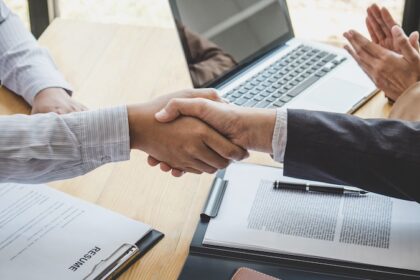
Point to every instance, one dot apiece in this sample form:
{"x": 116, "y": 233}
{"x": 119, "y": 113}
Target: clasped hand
{"x": 186, "y": 144}
{"x": 245, "y": 127}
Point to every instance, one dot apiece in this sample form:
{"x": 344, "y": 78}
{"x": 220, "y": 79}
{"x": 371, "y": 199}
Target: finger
{"x": 373, "y": 13}
{"x": 224, "y": 147}
{"x": 213, "y": 159}
{"x": 207, "y": 93}
{"x": 152, "y": 161}
{"x": 379, "y": 19}
{"x": 190, "y": 170}
{"x": 165, "y": 167}
{"x": 388, "y": 19}
{"x": 363, "y": 58}
{"x": 376, "y": 29}
{"x": 204, "y": 167}
{"x": 414, "y": 40}
{"x": 401, "y": 40}
{"x": 181, "y": 106}
{"x": 177, "y": 173}
{"x": 359, "y": 42}
{"x": 371, "y": 30}
{"x": 367, "y": 68}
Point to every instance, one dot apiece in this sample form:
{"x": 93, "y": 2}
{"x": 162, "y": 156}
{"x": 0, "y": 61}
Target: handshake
{"x": 196, "y": 131}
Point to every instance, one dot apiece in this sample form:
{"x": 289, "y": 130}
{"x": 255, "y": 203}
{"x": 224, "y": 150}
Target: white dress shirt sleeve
{"x": 47, "y": 147}
{"x": 279, "y": 140}
{"x": 25, "y": 67}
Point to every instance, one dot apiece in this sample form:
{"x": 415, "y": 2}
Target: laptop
{"x": 246, "y": 49}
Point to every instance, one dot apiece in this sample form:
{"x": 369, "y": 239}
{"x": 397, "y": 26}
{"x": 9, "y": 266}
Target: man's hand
{"x": 246, "y": 127}
{"x": 379, "y": 23}
{"x": 186, "y": 144}
{"x": 55, "y": 100}
{"x": 390, "y": 71}
{"x": 249, "y": 128}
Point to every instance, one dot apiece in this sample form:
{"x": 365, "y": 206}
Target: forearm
{"x": 25, "y": 67}
{"x": 382, "y": 156}
{"x": 47, "y": 147}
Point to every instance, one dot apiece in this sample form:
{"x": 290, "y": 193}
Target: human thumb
{"x": 162, "y": 115}
{"x": 179, "y": 106}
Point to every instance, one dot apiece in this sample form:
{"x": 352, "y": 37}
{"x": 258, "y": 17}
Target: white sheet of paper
{"x": 46, "y": 234}
{"x": 371, "y": 229}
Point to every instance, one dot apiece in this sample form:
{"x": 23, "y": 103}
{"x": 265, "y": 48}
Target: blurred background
{"x": 321, "y": 20}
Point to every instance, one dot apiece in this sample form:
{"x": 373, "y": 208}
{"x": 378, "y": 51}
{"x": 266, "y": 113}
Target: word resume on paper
{"x": 370, "y": 229}
{"x": 46, "y": 234}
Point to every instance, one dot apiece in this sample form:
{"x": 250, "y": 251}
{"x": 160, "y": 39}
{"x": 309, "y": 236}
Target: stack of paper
{"x": 371, "y": 229}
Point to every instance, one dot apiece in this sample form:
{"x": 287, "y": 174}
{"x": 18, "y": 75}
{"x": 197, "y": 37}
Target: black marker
{"x": 277, "y": 185}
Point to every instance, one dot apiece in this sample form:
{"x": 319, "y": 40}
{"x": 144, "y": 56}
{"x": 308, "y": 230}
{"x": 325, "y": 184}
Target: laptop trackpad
{"x": 334, "y": 95}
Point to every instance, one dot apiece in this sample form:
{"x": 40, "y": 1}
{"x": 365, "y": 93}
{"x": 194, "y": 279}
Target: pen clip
{"x": 112, "y": 263}
{"x": 214, "y": 199}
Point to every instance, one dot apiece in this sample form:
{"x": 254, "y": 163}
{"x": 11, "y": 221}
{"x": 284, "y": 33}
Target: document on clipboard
{"x": 371, "y": 229}
{"x": 46, "y": 234}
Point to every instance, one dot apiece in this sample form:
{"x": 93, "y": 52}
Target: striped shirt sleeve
{"x": 47, "y": 147}
{"x": 25, "y": 67}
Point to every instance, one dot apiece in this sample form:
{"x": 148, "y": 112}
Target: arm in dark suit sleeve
{"x": 378, "y": 155}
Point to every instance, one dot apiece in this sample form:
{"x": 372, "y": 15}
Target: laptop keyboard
{"x": 285, "y": 79}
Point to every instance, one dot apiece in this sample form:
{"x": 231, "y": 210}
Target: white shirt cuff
{"x": 280, "y": 135}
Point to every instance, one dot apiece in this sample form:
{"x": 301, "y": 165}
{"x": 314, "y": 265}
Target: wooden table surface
{"x": 110, "y": 64}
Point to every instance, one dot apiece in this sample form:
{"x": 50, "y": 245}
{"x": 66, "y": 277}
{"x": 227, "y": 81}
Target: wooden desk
{"x": 114, "y": 64}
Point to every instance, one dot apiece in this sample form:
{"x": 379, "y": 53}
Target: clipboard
{"x": 209, "y": 262}
{"x": 124, "y": 257}
{"x": 49, "y": 239}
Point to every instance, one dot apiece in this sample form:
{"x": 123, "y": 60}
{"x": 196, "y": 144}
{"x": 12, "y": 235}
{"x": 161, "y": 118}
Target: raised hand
{"x": 55, "y": 100}
{"x": 379, "y": 22}
{"x": 246, "y": 127}
{"x": 186, "y": 144}
{"x": 391, "y": 72}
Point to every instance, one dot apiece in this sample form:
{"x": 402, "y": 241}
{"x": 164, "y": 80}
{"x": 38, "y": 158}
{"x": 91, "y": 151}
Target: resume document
{"x": 46, "y": 234}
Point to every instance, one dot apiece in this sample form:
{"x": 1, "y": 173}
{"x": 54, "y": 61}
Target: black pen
{"x": 277, "y": 185}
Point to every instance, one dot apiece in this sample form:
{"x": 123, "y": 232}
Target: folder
{"x": 215, "y": 262}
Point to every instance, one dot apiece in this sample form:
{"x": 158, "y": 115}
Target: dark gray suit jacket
{"x": 378, "y": 155}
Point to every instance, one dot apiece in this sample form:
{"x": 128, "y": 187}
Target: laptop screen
{"x": 221, "y": 36}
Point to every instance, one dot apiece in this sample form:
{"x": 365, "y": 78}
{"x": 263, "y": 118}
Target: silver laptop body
{"x": 247, "y": 50}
